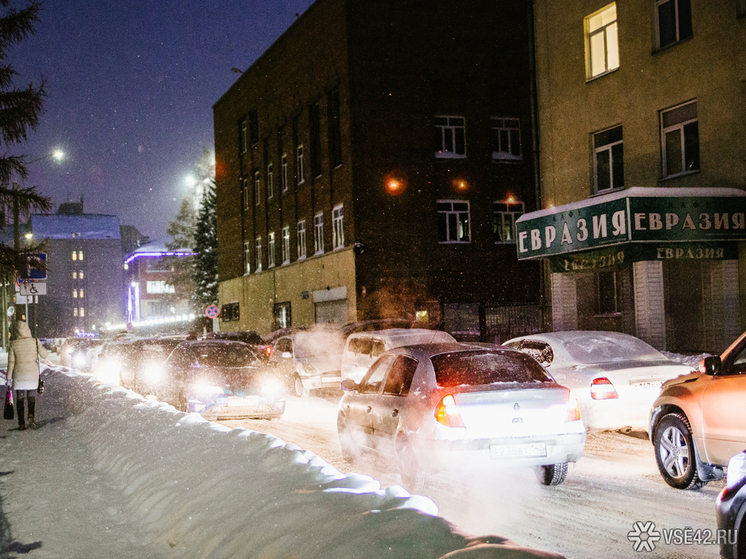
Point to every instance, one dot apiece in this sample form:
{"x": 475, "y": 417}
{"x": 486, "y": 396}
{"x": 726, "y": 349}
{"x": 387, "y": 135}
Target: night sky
{"x": 130, "y": 87}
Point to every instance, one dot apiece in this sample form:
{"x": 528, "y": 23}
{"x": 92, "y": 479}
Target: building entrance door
{"x": 683, "y": 288}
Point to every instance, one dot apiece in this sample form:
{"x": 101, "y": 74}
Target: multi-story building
{"x": 85, "y": 284}
{"x": 643, "y": 168}
{"x": 154, "y": 297}
{"x": 372, "y": 162}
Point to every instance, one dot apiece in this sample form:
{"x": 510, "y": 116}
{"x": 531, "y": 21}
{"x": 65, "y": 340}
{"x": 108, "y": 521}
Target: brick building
{"x": 372, "y": 162}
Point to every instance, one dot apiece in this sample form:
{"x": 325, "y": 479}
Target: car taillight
{"x": 573, "y": 409}
{"x": 268, "y": 351}
{"x": 446, "y": 412}
{"x": 602, "y": 389}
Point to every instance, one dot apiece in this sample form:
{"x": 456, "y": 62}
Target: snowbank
{"x": 198, "y": 489}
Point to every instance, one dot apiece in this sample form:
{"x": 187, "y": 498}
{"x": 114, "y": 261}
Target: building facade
{"x": 372, "y": 163}
{"x": 85, "y": 283}
{"x": 154, "y": 296}
{"x": 642, "y": 113}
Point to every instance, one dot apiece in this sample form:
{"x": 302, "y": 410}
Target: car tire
{"x": 350, "y": 451}
{"x": 413, "y": 479}
{"x": 297, "y": 387}
{"x": 553, "y": 474}
{"x": 674, "y": 452}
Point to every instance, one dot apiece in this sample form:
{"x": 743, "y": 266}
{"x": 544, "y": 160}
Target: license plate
{"x": 646, "y": 385}
{"x": 331, "y": 379}
{"x": 518, "y": 450}
{"x": 243, "y": 402}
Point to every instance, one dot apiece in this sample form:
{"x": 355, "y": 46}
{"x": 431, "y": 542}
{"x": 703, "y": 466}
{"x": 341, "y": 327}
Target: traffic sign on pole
{"x": 212, "y": 311}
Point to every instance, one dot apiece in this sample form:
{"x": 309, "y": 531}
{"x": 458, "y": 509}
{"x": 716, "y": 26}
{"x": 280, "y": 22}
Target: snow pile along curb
{"x": 199, "y": 489}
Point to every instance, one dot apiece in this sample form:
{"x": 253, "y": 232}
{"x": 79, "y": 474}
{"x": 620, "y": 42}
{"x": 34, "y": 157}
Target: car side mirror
{"x": 711, "y": 365}
{"x": 348, "y": 384}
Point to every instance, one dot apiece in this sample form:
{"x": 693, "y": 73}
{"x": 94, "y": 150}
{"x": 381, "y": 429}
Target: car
{"x": 220, "y": 380}
{"x": 79, "y": 353}
{"x": 615, "y": 377}
{"x": 698, "y": 423}
{"x": 731, "y": 510}
{"x": 461, "y": 408}
{"x": 308, "y": 360}
{"x": 107, "y": 365}
{"x": 142, "y": 367}
{"x": 363, "y": 348}
{"x": 249, "y": 337}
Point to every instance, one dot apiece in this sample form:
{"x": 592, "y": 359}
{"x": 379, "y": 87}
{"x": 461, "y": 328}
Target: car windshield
{"x": 315, "y": 344}
{"x": 474, "y": 368}
{"x": 224, "y": 356}
{"x": 590, "y": 349}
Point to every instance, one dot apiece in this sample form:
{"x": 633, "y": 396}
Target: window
{"x": 270, "y": 182}
{"x": 80, "y": 255}
{"x": 243, "y": 139}
{"x": 453, "y": 221}
{"x": 258, "y": 254}
{"x": 449, "y": 139}
{"x": 158, "y": 265}
{"x": 230, "y": 312}
{"x": 400, "y": 376}
{"x": 75, "y": 275}
{"x": 301, "y": 239}
{"x": 601, "y": 42}
{"x": 246, "y": 193}
{"x": 81, "y": 293}
{"x": 75, "y": 293}
{"x": 506, "y": 139}
{"x": 318, "y": 233}
{"x": 246, "y": 257}
{"x": 609, "y": 293}
{"x": 741, "y": 8}
{"x": 371, "y": 383}
{"x": 504, "y": 215}
{"x": 271, "y": 250}
{"x": 158, "y": 286}
{"x": 338, "y": 232}
{"x": 286, "y": 244}
{"x": 608, "y": 159}
{"x": 335, "y": 129}
{"x": 253, "y": 127}
{"x": 680, "y": 140}
{"x": 257, "y": 188}
{"x": 299, "y": 164}
{"x": 284, "y": 172}
{"x": 282, "y": 315}
{"x": 75, "y": 311}
{"x": 315, "y": 144}
{"x": 80, "y": 274}
{"x": 674, "y": 21}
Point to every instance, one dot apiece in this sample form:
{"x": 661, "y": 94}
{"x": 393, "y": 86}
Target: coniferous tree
{"x": 205, "y": 271}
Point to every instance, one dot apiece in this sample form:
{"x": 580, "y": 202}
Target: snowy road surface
{"x": 592, "y": 514}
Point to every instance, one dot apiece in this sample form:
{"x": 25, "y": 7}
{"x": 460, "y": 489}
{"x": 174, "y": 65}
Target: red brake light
{"x": 268, "y": 351}
{"x": 446, "y": 412}
{"x": 602, "y": 389}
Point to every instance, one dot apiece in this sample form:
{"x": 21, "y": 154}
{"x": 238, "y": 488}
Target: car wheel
{"x": 554, "y": 474}
{"x": 350, "y": 452}
{"x": 412, "y": 477}
{"x": 674, "y": 452}
{"x": 298, "y": 390}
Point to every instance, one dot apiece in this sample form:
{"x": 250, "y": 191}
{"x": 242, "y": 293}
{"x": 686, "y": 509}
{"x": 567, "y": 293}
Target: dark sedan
{"x": 731, "y": 510}
{"x": 220, "y": 380}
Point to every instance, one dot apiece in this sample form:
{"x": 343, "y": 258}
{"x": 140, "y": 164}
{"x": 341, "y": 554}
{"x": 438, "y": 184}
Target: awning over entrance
{"x": 636, "y": 224}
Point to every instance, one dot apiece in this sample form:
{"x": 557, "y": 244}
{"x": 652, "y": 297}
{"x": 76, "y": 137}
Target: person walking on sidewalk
{"x": 23, "y": 370}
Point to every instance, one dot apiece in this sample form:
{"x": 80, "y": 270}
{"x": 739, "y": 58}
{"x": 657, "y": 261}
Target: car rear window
{"x": 474, "y": 368}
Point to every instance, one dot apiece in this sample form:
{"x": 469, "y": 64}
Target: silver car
{"x": 615, "y": 377}
{"x": 457, "y": 406}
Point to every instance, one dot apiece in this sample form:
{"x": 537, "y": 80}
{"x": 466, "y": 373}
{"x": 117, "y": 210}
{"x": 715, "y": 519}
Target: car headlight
{"x": 271, "y": 387}
{"x": 207, "y": 389}
{"x": 736, "y": 469}
{"x": 79, "y": 360}
{"x": 152, "y": 373}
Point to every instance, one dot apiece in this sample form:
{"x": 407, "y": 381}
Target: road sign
{"x": 37, "y": 267}
{"x": 212, "y": 311}
{"x": 36, "y": 288}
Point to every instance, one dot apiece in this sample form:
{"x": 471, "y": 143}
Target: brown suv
{"x": 699, "y": 420}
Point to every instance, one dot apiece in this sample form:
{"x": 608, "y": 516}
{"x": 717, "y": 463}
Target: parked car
{"x": 363, "y": 348}
{"x": 616, "y": 377}
{"x": 307, "y": 360}
{"x": 459, "y": 407}
{"x": 107, "y": 364}
{"x": 379, "y": 324}
{"x": 220, "y": 380}
{"x": 731, "y": 510}
{"x": 249, "y": 337}
{"x": 699, "y": 420}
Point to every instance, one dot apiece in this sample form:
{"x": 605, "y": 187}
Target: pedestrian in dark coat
{"x": 24, "y": 354}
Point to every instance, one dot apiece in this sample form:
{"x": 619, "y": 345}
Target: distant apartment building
{"x": 642, "y": 113}
{"x": 84, "y": 285}
{"x": 372, "y": 163}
